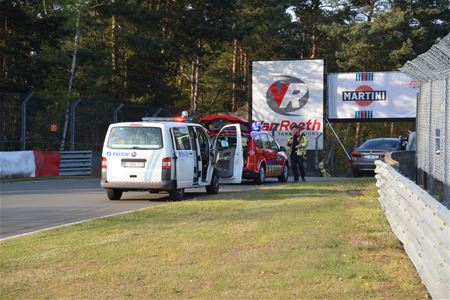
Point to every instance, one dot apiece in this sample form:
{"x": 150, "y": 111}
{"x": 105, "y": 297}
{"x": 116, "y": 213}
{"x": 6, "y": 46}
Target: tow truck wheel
{"x": 114, "y": 194}
{"x": 284, "y": 177}
{"x": 213, "y": 188}
{"x": 261, "y": 175}
{"x": 177, "y": 194}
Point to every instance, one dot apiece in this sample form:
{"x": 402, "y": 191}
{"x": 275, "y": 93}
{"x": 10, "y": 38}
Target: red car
{"x": 263, "y": 157}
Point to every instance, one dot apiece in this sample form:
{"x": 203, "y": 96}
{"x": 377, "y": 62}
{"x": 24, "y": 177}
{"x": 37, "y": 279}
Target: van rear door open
{"x": 184, "y": 157}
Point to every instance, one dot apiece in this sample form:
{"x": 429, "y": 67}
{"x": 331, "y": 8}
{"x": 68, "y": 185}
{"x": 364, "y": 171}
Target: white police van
{"x": 169, "y": 154}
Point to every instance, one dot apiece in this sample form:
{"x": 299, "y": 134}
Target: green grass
{"x": 315, "y": 240}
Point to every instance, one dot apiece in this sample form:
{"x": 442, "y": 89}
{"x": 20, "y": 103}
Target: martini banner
{"x": 371, "y": 95}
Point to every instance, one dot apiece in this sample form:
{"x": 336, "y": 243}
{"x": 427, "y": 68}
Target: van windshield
{"x": 135, "y": 138}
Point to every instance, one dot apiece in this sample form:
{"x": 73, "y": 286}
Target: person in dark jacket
{"x": 297, "y": 143}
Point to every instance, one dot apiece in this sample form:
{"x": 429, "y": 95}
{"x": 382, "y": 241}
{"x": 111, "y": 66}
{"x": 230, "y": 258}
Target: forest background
{"x": 178, "y": 55}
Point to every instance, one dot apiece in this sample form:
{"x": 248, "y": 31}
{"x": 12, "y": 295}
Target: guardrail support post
{"x": 23, "y": 136}
{"x": 338, "y": 139}
{"x": 72, "y": 124}
{"x": 116, "y": 111}
{"x": 447, "y": 195}
{"x": 431, "y": 185}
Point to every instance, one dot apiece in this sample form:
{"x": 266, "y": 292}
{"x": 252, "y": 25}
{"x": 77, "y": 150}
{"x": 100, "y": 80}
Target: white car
{"x": 168, "y": 154}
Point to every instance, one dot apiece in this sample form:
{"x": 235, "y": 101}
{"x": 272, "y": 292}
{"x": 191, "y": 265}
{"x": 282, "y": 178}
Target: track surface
{"x": 35, "y": 205}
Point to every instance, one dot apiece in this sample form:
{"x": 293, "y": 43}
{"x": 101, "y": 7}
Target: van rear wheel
{"x": 114, "y": 194}
{"x": 177, "y": 194}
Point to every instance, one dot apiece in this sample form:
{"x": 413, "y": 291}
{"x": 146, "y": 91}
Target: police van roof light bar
{"x": 167, "y": 119}
{"x": 184, "y": 118}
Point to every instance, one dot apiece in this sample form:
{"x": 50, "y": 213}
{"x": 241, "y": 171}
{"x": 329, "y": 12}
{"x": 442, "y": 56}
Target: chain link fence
{"x": 432, "y": 69}
{"x": 38, "y": 123}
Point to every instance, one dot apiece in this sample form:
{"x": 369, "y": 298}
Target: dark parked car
{"x": 364, "y": 157}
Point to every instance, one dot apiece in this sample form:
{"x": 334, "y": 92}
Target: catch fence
{"x": 33, "y": 122}
{"x": 432, "y": 70}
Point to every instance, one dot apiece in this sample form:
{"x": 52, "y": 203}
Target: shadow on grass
{"x": 278, "y": 194}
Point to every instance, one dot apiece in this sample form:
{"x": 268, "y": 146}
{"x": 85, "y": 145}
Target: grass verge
{"x": 313, "y": 240}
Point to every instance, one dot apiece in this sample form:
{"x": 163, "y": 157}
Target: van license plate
{"x": 133, "y": 164}
{"x": 371, "y": 156}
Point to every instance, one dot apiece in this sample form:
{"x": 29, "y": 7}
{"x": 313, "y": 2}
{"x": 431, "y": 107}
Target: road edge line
{"x": 75, "y": 223}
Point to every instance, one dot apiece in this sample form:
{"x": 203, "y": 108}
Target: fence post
{"x": 157, "y": 112}
{"x": 431, "y": 185}
{"x": 72, "y": 124}
{"x": 116, "y": 111}
{"x": 23, "y": 137}
{"x": 316, "y": 165}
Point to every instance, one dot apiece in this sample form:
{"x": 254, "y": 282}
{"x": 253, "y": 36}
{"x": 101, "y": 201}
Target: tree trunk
{"x": 180, "y": 81}
{"x": 196, "y": 93}
{"x": 4, "y": 60}
{"x": 392, "y": 129}
{"x": 245, "y": 74}
{"x": 72, "y": 76}
{"x": 303, "y": 47}
{"x": 45, "y": 7}
{"x": 313, "y": 46}
{"x": 194, "y": 84}
{"x": 234, "y": 67}
{"x": 357, "y": 134}
{"x": 113, "y": 49}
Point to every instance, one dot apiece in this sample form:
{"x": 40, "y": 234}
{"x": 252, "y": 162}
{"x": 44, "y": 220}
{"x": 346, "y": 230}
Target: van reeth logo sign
{"x": 287, "y": 95}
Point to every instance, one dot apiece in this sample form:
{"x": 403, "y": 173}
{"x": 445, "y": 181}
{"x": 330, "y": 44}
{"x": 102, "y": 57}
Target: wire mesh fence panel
{"x": 10, "y": 121}
{"x": 447, "y": 133}
{"x": 437, "y": 129}
{"x": 45, "y": 120}
{"x": 432, "y": 69}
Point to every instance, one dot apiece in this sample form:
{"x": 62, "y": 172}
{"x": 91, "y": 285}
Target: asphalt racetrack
{"x": 29, "y": 206}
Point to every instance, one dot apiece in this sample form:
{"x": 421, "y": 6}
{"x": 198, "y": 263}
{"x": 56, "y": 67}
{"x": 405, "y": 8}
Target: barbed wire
{"x": 431, "y": 65}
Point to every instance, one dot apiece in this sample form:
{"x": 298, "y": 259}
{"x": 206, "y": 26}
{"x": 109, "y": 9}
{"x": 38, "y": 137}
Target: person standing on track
{"x": 411, "y": 146}
{"x": 297, "y": 143}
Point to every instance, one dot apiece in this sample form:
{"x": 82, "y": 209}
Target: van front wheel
{"x": 114, "y": 194}
{"x": 176, "y": 195}
{"x": 213, "y": 188}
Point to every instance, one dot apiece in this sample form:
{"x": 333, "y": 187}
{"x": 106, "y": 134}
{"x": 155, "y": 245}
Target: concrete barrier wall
{"x": 421, "y": 223}
{"x": 22, "y": 164}
{"x": 17, "y": 164}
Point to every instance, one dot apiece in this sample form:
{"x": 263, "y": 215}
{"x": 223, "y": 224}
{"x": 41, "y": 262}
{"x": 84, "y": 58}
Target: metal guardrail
{"x": 421, "y": 223}
{"x": 74, "y": 163}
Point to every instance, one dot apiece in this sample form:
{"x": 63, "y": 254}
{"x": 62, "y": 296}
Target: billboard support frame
{"x": 338, "y": 139}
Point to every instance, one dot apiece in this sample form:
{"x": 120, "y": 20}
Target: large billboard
{"x": 289, "y": 92}
{"x": 372, "y": 95}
